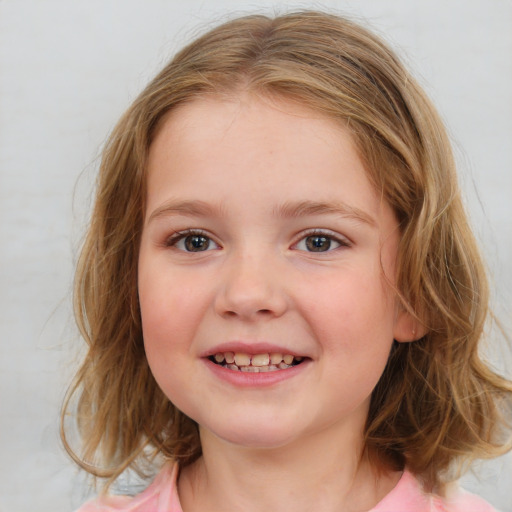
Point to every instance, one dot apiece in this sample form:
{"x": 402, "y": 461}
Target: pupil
{"x": 196, "y": 243}
{"x": 318, "y": 243}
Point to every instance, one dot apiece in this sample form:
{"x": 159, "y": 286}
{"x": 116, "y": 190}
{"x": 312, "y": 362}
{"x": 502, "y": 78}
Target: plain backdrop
{"x": 69, "y": 68}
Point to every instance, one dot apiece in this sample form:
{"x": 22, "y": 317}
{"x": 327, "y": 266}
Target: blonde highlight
{"x": 341, "y": 71}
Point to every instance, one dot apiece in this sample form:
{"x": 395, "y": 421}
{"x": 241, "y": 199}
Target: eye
{"x": 192, "y": 241}
{"x": 320, "y": 242}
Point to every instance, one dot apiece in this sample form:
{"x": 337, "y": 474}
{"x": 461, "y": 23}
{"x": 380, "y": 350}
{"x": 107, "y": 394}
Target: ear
{"x": 408, "y": 327}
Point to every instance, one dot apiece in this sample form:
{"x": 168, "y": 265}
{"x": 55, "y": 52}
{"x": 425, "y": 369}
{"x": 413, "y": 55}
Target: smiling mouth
{"x": 257, "y": 363}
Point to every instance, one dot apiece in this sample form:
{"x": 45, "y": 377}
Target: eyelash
{"x": 342, "y": 241}
{"x": 177, "y": 237}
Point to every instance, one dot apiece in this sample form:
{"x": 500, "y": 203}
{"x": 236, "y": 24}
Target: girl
{"x": 282, "y": 298}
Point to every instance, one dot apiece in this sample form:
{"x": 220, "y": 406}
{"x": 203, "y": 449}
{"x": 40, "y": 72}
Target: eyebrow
{"x": 194, "y": 208}
{"x": 305, "y": 208}
{"x": 197, "y": 208}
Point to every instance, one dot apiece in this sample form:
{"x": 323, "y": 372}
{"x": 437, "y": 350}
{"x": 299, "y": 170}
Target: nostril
{"x": 264, "y": 312}
{"x": 249, "y": 302}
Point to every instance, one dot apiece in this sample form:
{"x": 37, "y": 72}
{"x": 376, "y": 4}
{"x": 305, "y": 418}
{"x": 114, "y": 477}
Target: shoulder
{"x": 408, "y": 496}
{"x": 160, "y": 496}
{"x": 462, "y": 501}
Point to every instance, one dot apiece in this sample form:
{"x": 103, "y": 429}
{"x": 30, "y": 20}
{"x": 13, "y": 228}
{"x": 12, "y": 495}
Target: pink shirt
{"x": 407, "y": 496}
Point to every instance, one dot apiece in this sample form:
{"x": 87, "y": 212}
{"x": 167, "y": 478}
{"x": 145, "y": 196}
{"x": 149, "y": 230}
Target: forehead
{"x": 248, "y": 143}
{"x": 216, "y": 114}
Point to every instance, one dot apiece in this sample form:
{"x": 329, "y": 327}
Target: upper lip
{"x": 251, "y": 348}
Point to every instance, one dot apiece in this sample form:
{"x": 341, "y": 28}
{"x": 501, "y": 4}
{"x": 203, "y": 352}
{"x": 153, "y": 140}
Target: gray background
{"x": 68, "y": 69}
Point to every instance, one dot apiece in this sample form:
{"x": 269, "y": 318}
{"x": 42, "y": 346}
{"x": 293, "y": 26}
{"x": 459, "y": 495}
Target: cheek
{"x": 353, "y": 323}
{"x": 158, "y": 306}
{"x": 355, "y": 303}
{"x": 171, "y": 304}
{"x": 165, "y": 329}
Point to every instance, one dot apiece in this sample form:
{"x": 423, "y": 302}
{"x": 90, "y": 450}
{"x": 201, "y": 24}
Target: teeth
{"x": 250, "y": 369}
{"x": 260, "y": 360}
{"x": 288, "y": 359}
{"x": 257, "y": 369}
{"x": 242, "y": 359}
{"x": 256, "y": 363}
{"x": 276, "y": 358}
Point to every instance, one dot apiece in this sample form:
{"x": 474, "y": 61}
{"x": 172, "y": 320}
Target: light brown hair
{"x": 437, "y": 402}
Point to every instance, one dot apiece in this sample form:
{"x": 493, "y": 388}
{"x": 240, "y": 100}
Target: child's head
{"x": 435, "y": 401}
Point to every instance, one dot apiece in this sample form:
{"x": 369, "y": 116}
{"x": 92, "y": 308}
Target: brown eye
{"x": 196, "y": 243}
{"x": 190, "y": 241}
{"x": 318, "y": 243}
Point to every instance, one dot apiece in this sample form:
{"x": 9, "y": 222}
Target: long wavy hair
{"x": 438, "y": 404}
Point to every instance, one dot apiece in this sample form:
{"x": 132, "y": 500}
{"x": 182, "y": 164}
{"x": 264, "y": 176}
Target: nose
{"x": 251, "y": 289}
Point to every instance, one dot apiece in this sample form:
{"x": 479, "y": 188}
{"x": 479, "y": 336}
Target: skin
{"x": 295, "y": 444}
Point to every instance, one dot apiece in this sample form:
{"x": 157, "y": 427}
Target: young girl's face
{"x": 265, "y": 243}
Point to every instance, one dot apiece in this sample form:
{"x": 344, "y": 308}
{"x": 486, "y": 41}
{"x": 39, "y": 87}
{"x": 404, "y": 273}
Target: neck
{"x": 308, "y": 475}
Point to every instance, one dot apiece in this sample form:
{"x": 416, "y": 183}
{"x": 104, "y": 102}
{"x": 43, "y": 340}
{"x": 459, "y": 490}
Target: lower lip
{"x": 255, "y": 380}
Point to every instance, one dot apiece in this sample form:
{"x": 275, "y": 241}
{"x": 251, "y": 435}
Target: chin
{"x": 255, "y": 435}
